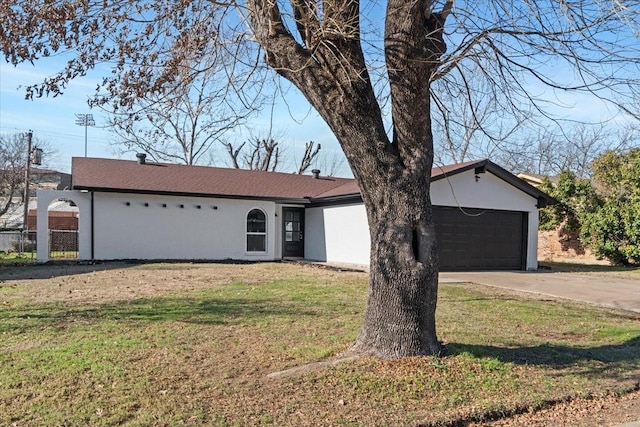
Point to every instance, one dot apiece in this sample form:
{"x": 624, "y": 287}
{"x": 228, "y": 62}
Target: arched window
{"x": 256, "y": 231}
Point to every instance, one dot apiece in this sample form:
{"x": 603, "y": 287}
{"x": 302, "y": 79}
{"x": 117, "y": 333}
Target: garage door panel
{"x": 472, "y": 239}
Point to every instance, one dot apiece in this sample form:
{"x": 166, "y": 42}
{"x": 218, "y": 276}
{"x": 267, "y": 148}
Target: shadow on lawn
{"x": 597, "y": 360}
{"x": 556, "y": 267}
{"x": 53, "y": 269}
{"x": 207, "y": 311}
{"x": 58, "y": 269}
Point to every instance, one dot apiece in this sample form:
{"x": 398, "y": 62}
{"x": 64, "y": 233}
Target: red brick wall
{"x": 57, "y": 220}
{"x": 563, "y": 246}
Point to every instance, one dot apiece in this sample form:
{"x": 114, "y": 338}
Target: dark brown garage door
{"x": 472, "y": 239}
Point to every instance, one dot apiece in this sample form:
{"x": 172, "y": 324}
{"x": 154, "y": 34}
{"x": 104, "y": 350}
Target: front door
{"x": 293, "y": 232}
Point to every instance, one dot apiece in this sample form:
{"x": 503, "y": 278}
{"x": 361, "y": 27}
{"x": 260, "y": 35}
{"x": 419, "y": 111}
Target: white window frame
{"x": 255, "y": 233}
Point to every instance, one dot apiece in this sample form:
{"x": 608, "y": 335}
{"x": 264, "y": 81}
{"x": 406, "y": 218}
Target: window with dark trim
{"x": 256, "y": 231}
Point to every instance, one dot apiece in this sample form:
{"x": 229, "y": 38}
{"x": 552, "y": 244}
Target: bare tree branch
{"x": 13, "y": 158}
{"x": 309, "y": 155}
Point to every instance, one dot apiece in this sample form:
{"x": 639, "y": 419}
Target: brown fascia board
{"x": 450, "y": 170}
{"x": 280, "y": 200}
{"x": 345, "y": 199}
{"x": 543, "y": 198}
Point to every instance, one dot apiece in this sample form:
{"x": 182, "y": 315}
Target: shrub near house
{"x": 606, "y": 210}
{"x": 613, "y": 228}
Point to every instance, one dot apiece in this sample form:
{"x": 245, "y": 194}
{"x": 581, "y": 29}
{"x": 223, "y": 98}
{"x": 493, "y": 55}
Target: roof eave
{"x": 304, "y": 200}
{"x": 336, "y": 200}
{"x": 487, "y": 165}
{"x": 543, "y": 198}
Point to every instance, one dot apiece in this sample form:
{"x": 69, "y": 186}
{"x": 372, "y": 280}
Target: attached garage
{"x": 474, "y": 239}
{"x": 485, "y": 218}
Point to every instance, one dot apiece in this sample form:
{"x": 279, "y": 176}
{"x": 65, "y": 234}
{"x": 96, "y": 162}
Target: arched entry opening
{"x": 63, "y": 230}
{"x": 83, "y": 200}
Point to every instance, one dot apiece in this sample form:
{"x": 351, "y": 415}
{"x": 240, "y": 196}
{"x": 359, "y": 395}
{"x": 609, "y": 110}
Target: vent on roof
{"x": 316, "y": 173}
{"x": 142, "y": 158}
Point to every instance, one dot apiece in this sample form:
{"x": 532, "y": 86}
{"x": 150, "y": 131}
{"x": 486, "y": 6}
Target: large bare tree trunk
{"x": 400, "y": 317}
{"x": 393, "y": 174}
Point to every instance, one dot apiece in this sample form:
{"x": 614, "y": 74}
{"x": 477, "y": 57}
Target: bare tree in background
{"x": 550, "y": 153}
{"x": 264, "y": 155}
{"x": 330, "y": 164}
{"x": 311, "y": 151}
{"x": 183, "y": 119}
{"x": 13, "y": 158}
{"x": 471, "y": 120}
{"x": 260, "y": 154}
{"x": 331, "y": 51}
{"x": 181, "y": 126}
{"x": 12, "y": 162}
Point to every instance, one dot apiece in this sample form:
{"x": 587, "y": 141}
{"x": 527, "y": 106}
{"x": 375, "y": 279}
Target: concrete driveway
{"x": 605, "y": 291}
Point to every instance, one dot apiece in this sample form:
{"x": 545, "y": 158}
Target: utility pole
{"x": 27, "y": 170}
{"x": 85, "y": 120}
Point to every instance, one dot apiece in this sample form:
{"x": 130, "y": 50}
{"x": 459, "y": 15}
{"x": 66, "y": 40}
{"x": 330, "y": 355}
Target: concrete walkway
{"x": 604, "y": 291}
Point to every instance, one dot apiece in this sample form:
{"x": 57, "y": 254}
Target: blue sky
{"x": 53, "y": 120}
{"x": 294, "y": 123}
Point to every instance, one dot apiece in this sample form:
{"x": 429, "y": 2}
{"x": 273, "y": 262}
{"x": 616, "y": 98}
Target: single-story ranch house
{"x": 486, "y": 218}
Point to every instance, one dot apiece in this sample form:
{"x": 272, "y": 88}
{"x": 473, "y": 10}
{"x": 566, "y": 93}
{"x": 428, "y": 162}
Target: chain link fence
{"x": 63, "y": 244}
{"x": 10, "y": 241}
{"x": 18, "y": 244}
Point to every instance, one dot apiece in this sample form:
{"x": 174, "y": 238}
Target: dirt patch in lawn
{"x": 119, "y": 281}
{"x": 609, "y": 410}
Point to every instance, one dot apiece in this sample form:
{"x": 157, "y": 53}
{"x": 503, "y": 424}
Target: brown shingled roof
{"x": 131, "y": 177}
{"x": 346, "y": 189}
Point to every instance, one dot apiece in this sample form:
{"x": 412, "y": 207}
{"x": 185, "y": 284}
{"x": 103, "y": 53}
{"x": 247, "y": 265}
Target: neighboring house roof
{"x": 127, "y": 176}
{"x": 40, "y": 171}
{"x": 62, "y": 205}
{"x": 14, "y": 217}
{"x": 536, "y": 179}
{"x": 49, "y": 179}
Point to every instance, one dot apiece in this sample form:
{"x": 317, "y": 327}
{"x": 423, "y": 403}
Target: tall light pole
{"x": 27, "y": 170}
{"x": 85, "y": 120}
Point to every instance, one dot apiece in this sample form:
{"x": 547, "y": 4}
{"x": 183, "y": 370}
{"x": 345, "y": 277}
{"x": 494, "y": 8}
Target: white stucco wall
{"x": 136, "y": 231}
{"x": 337, "y": 234}
{"x": 488, "y": 192}
{"x": 340, "y": 233}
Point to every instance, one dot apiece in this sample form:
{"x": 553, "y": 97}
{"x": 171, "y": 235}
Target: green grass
{"x": 200, "y": 353}
{"x": 15, "y": 258}
{"x": 629, "y": 271}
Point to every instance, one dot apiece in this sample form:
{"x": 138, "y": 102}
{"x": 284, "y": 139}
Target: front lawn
{"x": 193, "y": 344}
